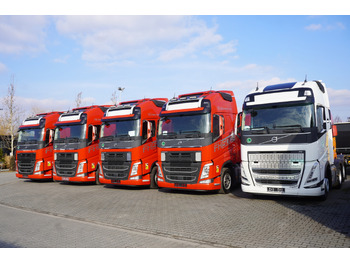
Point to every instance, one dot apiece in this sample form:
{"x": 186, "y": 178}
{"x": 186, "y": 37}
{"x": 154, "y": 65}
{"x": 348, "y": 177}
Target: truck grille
{"x": 65, "y": 164}
{"x": 181, "y": 167}
{"x": 115, "y": 165}
{"x": 276, "y": 167}
{"x": 26, "y": 163}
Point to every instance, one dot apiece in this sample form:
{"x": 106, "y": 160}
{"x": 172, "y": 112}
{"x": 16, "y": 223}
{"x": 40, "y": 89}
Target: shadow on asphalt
{"x": 7, "y": 245}
{"x": 333, "y": 213}
{"x": 126, "y": 187}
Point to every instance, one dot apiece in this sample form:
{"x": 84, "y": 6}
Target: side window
{"x": 321, "y": 118}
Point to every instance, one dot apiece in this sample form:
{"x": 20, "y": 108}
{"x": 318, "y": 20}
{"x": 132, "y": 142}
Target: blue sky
{"x": 55, "y": 57}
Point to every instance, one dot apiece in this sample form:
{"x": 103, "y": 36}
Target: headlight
{"x": 37, "y": 166}
{"x": 135, "y": 168}
{"x": 81, "y": 167}
{"x": 206, "y": 170}
{"x": 310, "y": 178}
{"x": 160, "y": 174}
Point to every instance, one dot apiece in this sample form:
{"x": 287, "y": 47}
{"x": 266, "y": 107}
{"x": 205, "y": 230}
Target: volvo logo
{"x": 274, "y": 139}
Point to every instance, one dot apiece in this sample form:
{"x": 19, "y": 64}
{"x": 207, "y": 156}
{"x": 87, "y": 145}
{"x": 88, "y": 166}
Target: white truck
{"x": 287, "y": 141}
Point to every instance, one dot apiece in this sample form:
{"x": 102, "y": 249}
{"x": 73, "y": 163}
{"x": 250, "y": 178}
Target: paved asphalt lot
{"x": 51, "y": 214}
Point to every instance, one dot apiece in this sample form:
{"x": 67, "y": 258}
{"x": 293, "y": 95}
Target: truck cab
{"x": 197, "y": 145}
{"x": 128, "y": 154}
{"x": 287, "y": 140}
{"x": 34, "y": 154}
{"x": 76, "y": 150}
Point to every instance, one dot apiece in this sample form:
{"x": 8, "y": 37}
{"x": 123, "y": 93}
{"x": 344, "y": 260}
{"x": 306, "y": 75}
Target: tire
{"x": 226, "y": 181}
{"x": 97, "y": 176}
{"x": 154, "y": 178}
{"x": 340, "y": 178}
{"x": 326, "y": 189}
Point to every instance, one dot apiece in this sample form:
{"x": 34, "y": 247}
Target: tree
{"x": 11, "y": 117}
{"x": 337, "y": 119}
{"x": 78, "y": 99}
{"x": 114, "y": 98}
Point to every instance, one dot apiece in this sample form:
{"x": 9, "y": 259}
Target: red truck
{"x": 76, "y": 150}
{"x": 128, "y": 143}
{"x": 34, "y": 154}
{"x": 197, "y": 145}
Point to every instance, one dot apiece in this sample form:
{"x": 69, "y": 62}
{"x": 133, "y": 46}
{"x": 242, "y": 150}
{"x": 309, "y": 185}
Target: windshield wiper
{"x": 291, "y": 128}
{"x": 260, "y": 130}
{"x": 191, "y": 133}
{"x": 73, "y": 139}
{"x": 170, "y": 134}
{"x": 124, "y": 137}
{"x": 107, "y": 138}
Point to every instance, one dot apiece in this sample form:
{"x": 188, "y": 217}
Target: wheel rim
{"x": 340, "y": 175}
{"x": 227, "y": 181}
{"x": 156, "y": 178}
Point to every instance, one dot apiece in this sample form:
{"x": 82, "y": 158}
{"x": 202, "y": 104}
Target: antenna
{"x": 257, "y": 86}
{"x": 305, "y": 79}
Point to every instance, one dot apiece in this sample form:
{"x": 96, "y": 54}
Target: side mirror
{"x": 94, "y": 133}
{"x": 149, "y": 130}
{"x": 238, "y": 125}
{"x": 221, "y": 126}
{"x": 51, "y": 135}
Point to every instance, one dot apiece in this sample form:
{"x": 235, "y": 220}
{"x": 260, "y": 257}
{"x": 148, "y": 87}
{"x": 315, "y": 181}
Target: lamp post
{"x": 121, "y": 89}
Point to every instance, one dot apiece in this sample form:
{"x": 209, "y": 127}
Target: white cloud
{"x": 61, "y": 60}
{"x": 50, "y": 104}
{"x": 3, "y": 67}
{"x": 313, "y": 27}
{"x": 338, "y": 97}
{"x": 115, "y": 38}
{"x": 20, "y": 34}
{"x": 248, "y": 85}
{"x": 326, "y": 27}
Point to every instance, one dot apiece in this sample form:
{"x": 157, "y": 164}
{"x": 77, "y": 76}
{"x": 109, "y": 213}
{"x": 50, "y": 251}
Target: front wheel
{"x": 226, "y": 181}
{"x": 326, "y": 189}
{"x": 154, "y": 178}
{"x": 97, "y": 176}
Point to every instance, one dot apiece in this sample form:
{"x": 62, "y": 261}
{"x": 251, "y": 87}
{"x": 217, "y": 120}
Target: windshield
{"x": 184, "y": 124}
{"x": 31, "y": 134}
{"x": 279, "y": 117}
{"x": 76, "y": 132}
{"x": 129, "y": 128}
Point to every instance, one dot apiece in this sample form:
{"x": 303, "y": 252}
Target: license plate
{"x": 180, "y": 185}
{"x": 276, "y": 189}
{"x": 23, "y": 176}
{"x": 114, "y": 181}
{"x": 65, "y": 178}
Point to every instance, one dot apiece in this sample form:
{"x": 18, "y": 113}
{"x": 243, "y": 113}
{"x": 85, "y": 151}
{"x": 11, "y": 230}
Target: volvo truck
{"x": 34, "y": 153}
{"x": 128, "y": 154}
{"x": 343, "y": 146}
{"x": 76, "y": 149}
{"x": 197, "y": 145}
{"x": 287, "y": 141}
